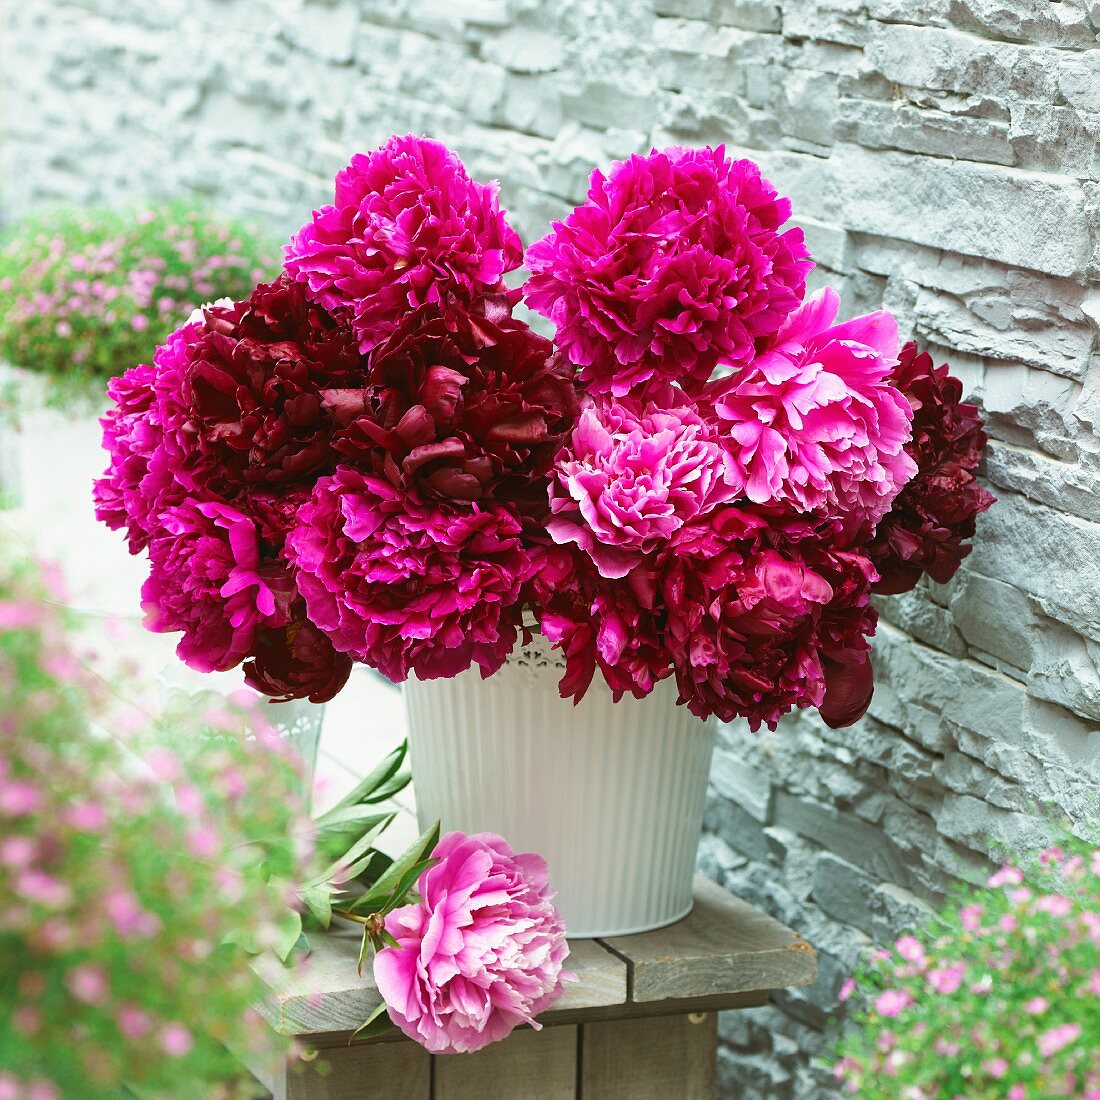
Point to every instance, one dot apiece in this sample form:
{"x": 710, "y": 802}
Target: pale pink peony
{"x": 408, "y": 586}
{"x": 408, "y": 226}
{"x": 814, "y": 421}
{"x": 482, "y": 952}
{"x": 674, "y": 263}
{"x": 631, "y": 475}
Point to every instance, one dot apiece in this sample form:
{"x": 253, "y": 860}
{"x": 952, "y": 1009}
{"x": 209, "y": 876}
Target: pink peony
{"x": 408, "y": 586}
{"x": 207, "y": 580}
{"x": 482, "y": 952}
{"x": 814, "y": 421}
{"x": 674, "y": 264}
{"x": 408, "y": 226}
{"x": 927, "y": 528}
{"x": 631, "y": 475}
{"x": 766, "y": 614}
{"x": 296, "y": 661}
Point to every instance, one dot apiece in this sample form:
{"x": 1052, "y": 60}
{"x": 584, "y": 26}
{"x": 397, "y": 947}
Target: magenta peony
{"x": 481, "y": 953}
{"x": 408, "y": 226}
{"x": 765, "y": 615}
{"x": 146, "y": 475}
{"x": 815, "y": 422}
{"x": 632, "y": 474}
{"x": 208, "y": 581}
{"x": 409, "y": 586}
{"x": 675, "y": 263}
{"x": 459, "y": 406}
{"x": 926, "y": 529}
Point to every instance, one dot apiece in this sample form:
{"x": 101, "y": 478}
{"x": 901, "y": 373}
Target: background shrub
{"x": 85, "y": 294}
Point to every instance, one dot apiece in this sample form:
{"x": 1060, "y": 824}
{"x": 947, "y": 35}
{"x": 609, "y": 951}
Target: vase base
{"x": 615, "y": 933}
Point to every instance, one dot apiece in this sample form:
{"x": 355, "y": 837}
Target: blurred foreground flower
{"x": 134, "y": 878}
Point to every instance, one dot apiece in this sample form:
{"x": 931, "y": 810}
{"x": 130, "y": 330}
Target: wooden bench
{"x": 639, "y": 1023}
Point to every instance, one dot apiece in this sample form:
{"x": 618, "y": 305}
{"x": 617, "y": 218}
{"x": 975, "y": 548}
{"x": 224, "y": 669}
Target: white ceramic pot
{"x": 611, "y": 794}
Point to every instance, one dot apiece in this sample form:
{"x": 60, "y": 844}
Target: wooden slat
{"x": 395, "y": 1071}
{"x": 529, "y": 1065}
{"x": 723, "y": 946}
{"x": 660, "y": 1058}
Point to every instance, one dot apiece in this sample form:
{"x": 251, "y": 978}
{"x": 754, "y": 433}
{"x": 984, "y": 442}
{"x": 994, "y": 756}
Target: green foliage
{"x": 86, "y": 294}
{"x": 999, "y": 997}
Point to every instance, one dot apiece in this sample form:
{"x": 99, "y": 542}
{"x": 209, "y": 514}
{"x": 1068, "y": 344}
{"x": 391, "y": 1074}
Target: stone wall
{"x": 943, "y": 158}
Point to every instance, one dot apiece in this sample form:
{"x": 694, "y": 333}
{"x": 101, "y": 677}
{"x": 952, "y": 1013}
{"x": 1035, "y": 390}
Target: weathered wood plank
{"x": 723, "y": 946}
{"x": 394, "y": 1071}
{"x": 529, "y": 1065}
{"x": 322, "y": 994}
{"x": 659, "y": 1058}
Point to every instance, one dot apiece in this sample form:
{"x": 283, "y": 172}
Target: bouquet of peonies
{"x": 703, "y": 475}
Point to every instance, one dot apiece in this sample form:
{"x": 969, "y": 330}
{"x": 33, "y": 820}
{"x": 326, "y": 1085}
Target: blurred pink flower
{"x": 481, "y": 954}
{"x": 814, "y": 421}
{"x": 892, "y": 1002}
{"x": 176, "y": 1040}
{"x": 971, "y": 917}
{"x": 88, "y": 983}
{"x": 1036, "y": 1005}
{"x": 1058, "y": 1038}
{"x": 946, "y": 979}
{"x": 1006, "y": 876}
{"x": 910, "y": 949}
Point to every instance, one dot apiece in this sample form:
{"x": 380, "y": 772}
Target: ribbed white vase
{"x": 611, "y": 794}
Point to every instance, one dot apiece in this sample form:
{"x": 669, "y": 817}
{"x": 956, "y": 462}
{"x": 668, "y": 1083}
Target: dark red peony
{"x": 610, "y": 625}
{"x": 296, "y": 661}
{"x": 253, "y": 388}
{"x": 765, "y": 615}
{"x": 927, "y": 529}
{"x": 461, "y": 406}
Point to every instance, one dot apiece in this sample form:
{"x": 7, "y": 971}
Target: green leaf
{"x": 343, "y": 865}
{"x": 405, "y": 884}
{"x": 290, "y": 931}
{"x": 377, "y": 1023}
{"x": 366, "y": 787}
{"x": 318, "y": 900}
{"x": 391, "y": 879}
{"x": 337, "y": 821}
{"x": 363, "y": 950}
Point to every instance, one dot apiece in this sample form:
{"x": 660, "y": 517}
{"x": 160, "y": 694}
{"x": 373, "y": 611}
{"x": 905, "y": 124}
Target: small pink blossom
{"x": 995, "y": 1067}
{"x": 88, "y": 817}
{"x": 1036, "y": 1005}
{"x": 18, "y": 798}
{"x": 946, "y": 979}
{"x": 88, "y": 983}
{"x": 971, "y": 917}
{"x": 847, "y": 989}
{"x": 892, "y": 1002}
{"x": 910, "y": 949}
{"x": 1055, "y": 904}
{"x": 133, "y": 1022}
{"x": 1006, "y": 876}
{"x": 176, "y": 1040}
{"x": 1058, "y": 1038}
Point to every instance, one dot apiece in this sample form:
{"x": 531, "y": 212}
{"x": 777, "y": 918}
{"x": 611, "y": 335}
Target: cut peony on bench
{"x": 639, "y": 1022}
